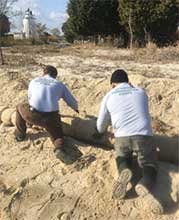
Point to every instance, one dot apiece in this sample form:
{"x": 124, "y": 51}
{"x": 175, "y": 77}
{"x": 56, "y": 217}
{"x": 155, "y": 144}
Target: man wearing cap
{"x": 42, "y": 109}
{"x": 126, "y": 107}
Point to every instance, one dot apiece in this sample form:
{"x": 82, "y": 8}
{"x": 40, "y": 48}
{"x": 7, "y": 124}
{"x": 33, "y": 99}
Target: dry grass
{"x": 151, "y": 53}
{"x": 19, "y": 56}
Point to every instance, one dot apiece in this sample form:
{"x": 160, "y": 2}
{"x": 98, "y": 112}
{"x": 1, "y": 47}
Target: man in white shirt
{"x": 43, "y": 109}
{"x": 126, "y": 107}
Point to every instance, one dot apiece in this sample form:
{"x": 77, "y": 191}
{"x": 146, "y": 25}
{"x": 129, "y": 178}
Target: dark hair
{"x": 51, "y": 71}
{"x": 119, "y": 76}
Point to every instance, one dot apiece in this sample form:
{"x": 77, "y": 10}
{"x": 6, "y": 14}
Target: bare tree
{"x": 1, "y": 57}
{"x": 41, "y": 28}
{"x": 5, "y": 8}
{"x": 17, "y": 20}
{"x": 55, "y": 32}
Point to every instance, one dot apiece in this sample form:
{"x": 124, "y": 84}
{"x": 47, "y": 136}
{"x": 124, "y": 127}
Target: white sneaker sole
{"x": 155, "y": 206}
{"x": 120, "y": 186}
{"x": 141, "y": 190}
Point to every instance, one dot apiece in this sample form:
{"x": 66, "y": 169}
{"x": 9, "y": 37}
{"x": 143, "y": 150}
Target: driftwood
{"x": 83, "y": 128}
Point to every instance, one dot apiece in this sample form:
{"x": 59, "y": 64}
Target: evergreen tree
{"x": 150, "y": 20}
{"x": 68, "y": 30}
{"x": 92, "y": 18}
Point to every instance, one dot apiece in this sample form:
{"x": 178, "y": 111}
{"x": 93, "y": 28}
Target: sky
{"x": 49, "y": 12}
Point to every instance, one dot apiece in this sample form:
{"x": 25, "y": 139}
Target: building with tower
{"x": 29, "y": 26}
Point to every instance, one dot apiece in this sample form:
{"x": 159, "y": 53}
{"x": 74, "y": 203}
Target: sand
{"x": 34, "y": 185}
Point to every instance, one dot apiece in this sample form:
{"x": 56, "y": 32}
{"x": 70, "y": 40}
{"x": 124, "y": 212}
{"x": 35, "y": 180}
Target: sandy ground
{"x": 34, "y": 185}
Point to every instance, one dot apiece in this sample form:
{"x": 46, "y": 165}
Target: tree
{"x": 42, "y": 33}
{"x": 92, "y": 18}
{"x": 150, "y": 20}
{"x": 4, "y": 25}
{"x": 55, "y": 32}
{"x": 5, "y": 9}
{"x": 1, "y": 57}
{"x": 164, "y": 28}
{"x": 68, "y": 30}
{"x": 17, "y": 20}
{"x": 6, "y": 6}
{"x": 40, "y": 28}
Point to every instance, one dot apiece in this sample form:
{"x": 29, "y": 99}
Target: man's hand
{"x": 97, "y": 135}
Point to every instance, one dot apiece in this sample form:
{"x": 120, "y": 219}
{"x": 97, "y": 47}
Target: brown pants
{"x": 51, "y": 121}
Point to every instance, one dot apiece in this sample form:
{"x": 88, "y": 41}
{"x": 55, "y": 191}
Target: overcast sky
{"x": 49, "y": 12}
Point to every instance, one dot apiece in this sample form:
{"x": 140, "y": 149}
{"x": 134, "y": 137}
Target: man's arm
{"x": 103, "y": 117}
{"x": 70, "y": 99}
{"x": 29, "y": 92}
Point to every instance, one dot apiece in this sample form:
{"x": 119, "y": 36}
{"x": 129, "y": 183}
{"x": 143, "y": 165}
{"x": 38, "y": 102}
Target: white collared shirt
{"x": 45, "y": 92}
{"x": 127, "y": 108}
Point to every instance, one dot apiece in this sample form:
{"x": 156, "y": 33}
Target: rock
{"x": 64, "y": 216}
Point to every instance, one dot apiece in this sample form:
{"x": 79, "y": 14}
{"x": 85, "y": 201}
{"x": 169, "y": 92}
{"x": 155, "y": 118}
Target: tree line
{"x": 131, "y": 21}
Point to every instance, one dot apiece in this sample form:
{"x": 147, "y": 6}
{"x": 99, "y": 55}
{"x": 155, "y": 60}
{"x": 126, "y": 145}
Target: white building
{"x": 29, "y": 26}
{"x": 19, "y": 36}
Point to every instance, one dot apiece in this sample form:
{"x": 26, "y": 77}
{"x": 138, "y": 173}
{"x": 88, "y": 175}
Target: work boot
{"x": 62, "y": 155}
{"x": 144, "y": 189}
{"x": 125, "y": 175}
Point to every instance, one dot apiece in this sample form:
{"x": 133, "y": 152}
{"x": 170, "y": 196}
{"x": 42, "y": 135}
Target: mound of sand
{"x": 34, "y": 185}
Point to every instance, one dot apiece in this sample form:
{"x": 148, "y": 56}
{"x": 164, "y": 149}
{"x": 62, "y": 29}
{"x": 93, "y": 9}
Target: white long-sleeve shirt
{"x": 127, "y": 108}
{"x": 45, "y": 92}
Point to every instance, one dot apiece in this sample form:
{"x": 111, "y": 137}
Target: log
{"x": 83, "y": 128}
{"x": 13, "y": 118}
{"x": 6, "y": 116}
{"x": 2, "y": 108}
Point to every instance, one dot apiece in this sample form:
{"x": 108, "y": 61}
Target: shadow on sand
{"x": 83, "y": 130}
